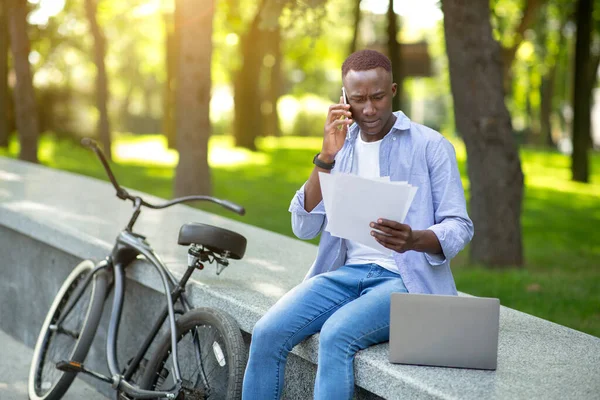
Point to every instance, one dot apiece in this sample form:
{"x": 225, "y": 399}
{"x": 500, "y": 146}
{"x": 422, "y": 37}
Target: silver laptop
{"x": 444, "y": 331}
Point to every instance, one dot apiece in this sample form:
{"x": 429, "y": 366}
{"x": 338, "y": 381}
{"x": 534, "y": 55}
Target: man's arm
{"x": 334, "y": 136}
{"x": 312, "y": 188}
{"x": 453, "y": 228}
{"x": 307, "y": 216}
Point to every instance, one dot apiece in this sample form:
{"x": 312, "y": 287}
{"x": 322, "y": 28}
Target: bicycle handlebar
{"x": 124, "y": 195}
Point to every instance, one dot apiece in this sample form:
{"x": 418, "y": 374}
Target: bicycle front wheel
{"x": 211, "y": 354}
{"x": 72, "y": 338}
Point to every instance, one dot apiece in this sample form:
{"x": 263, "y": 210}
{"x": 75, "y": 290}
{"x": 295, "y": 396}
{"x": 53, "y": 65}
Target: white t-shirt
{"x": 366, "y": 164}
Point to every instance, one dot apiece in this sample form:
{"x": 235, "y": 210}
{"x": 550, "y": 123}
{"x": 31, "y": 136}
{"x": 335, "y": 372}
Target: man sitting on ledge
{"x": 346, "y": 294}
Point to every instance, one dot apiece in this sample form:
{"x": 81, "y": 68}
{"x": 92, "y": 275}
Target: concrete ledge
{"x": 50, "y": 219}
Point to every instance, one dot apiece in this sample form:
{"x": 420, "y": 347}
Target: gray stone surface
{"x": 81, "y": 217}
{"x": 14, "y": 372}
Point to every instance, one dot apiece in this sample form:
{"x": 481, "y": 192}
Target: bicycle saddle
{"x": 216, "y": 239}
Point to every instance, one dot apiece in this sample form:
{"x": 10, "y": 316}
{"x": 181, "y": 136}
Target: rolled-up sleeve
{"x": 306, "y": 225}
{"x": 453, "y": 227}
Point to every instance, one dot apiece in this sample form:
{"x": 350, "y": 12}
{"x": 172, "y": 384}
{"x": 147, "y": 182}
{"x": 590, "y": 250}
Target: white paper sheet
{"x": 352, "y": 203}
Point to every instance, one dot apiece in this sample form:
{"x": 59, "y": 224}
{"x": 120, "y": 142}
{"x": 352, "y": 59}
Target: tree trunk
{"x": 546, "y": 95}
{"x": 275, "y": 82}
{"x": 4, "y": 94}
{"x": 169, "y": 96}
{"x": 248, "y": 121}
{"x": 494, "y": 167}
{"x": 582, "y": 94}
{"x": 25, "y": 104}
{"x": 356, "y": 27}
{"x": 101, "y": 77}
{"x": 192, "y": 175}
{"x": 394, "y": 53}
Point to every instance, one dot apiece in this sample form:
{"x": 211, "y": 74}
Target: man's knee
{"x": 264, "y": 330}
{"x": 334, "y": 338}
{"x": 268, "y": 334}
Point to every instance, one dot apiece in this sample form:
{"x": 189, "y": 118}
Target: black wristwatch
{"x": 323, "y": 164}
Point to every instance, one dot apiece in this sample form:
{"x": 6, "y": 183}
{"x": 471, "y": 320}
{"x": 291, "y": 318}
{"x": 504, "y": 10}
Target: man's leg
{"x": 297, "y": 315}
{"x": 358, "y": 324}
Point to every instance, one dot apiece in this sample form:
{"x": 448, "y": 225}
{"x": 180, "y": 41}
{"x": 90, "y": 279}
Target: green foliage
{"x": 560, "y": 218}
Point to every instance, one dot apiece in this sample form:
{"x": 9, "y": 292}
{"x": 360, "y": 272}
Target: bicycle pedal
{"x": 77, "y": 367}
{"x": 70, "y": 366}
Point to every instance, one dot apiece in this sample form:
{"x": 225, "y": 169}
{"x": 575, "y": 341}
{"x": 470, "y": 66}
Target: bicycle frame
{"x": 127, "y": 248}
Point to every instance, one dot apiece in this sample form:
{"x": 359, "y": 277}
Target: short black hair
{"x": 364, "y": 60}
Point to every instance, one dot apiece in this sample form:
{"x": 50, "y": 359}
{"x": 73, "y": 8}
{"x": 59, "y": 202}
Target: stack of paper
{"x": 352, "y": 203}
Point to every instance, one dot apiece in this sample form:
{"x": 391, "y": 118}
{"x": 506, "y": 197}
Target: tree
{"x": 528, "y": 17}
{"x": 394, "y": 53}
{"x": 25, "y": 104}
{"x": 101, "y": 77}
{"x": 494, "y": 168}
{"x": 4, "y": 48}
{"x": 272, "y": 64}
{"x": 582, "y": 93}
{"x": 192, "y": 175}
{"x": 356, "y": 24}
{"x": 247, "y": 123}
{"x": 169, "y": 94}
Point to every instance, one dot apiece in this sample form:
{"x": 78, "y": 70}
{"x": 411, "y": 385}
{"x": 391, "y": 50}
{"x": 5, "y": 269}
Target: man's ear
{"x": 394, "y": 89}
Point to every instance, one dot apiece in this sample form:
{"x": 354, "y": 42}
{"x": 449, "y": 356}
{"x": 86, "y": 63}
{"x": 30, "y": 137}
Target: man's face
{"x": 370, "y": 96}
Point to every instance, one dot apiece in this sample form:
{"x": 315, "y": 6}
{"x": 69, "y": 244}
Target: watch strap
{"x": 323, "y": 164}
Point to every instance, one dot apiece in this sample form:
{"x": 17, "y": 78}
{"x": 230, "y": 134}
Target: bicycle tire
{"x": 226, "y": 350}
{"x": 45, "y": 381}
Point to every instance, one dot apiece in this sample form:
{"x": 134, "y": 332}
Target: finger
{"x": 392, "y": 224}
{"x": 389, "y": 230}
{"x": 383, "y": 228}
{"x": 338, "y": 113}
{"x": 339, "y": 107}
{"x": 389, "y": 245}
{"x": 395, "y": 240}
{"x": 341, "y": 122}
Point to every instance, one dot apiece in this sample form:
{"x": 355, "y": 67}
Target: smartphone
{"x": 344, "y": 100}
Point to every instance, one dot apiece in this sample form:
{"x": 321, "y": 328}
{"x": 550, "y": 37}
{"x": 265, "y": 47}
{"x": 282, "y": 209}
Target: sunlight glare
{"x": 234, "y": 156}
{"x": 45, "y": 10}
{"x": 231, "y": 39}
{"x": 146, "y": 152}
{"x": 146, "y": 9}
{"x": 418, "y": 14}
{"x": 152, "y": 150}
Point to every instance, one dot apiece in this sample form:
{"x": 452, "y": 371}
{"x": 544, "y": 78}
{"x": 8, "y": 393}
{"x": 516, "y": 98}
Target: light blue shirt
{"x": 423, "y": 157}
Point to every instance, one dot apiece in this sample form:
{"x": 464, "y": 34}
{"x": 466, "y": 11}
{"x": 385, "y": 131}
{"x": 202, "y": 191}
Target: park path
{"x": 14, "y": 371}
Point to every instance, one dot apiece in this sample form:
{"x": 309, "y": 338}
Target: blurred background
{"x": 229, "y": 97}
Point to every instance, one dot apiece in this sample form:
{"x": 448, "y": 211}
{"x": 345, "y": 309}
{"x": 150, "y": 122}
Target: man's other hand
{"x": 401, "y": 238}
{"x": 393, "y": 235}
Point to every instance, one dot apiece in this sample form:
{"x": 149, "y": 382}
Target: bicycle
{"x": 209, "y": 338}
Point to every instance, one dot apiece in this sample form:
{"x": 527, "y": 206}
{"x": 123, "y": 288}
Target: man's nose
{"x": 369, "y": 110}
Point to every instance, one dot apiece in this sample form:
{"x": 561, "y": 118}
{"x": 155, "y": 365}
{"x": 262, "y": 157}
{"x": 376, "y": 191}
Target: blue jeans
{"x": 351, "y": 308}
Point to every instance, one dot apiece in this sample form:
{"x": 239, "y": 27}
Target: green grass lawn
{"x": 561, "y": 219}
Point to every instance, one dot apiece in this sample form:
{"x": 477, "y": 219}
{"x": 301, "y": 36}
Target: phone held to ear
{"x": 344, "y": 101}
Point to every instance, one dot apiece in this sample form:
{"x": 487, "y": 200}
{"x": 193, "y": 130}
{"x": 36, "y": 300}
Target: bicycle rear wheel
{"x": 212, "y": 357}
{"x": 71, "y": 340}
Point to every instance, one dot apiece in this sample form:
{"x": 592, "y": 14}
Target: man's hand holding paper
{"x": 352, "y": 203}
